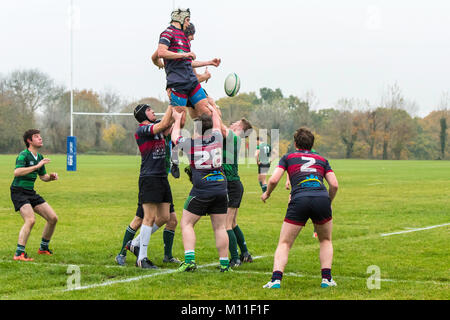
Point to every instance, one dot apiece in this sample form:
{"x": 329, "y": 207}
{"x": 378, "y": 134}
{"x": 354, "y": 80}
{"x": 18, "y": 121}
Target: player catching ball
{"x": 309, "y": 199}
{"x": 30, "y": 164}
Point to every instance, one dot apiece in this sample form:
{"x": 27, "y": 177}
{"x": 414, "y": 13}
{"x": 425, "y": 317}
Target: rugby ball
{"x": 232, "y": 84}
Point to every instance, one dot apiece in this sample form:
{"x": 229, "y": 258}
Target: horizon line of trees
{"x": 355, "y": 128}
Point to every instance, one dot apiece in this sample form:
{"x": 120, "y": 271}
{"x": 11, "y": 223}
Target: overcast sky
{"x": 347, "y": 48}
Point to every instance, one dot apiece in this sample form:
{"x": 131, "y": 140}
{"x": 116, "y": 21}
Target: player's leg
{"x": 46, "y": 212}
{"x": 178, "y": 100}
{"x": 27, "y": 214}
{"x": 150, "y": 210}
{"x": 187, "y": 223}
{"x": 168, "y": 236}
{"x": 323, "y": 224}
{"x": 199, "y": 100}
{"x": 288, "y": 234}
{"x": 217, "y": 208}
{"x": 218, "y": 222}
{"x": 324, "y": 232}
{"x": 230, "y": 223}
{"x": 130, "y": 232}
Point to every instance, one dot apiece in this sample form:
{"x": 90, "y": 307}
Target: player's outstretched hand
{"x": 190, "y": 55}
{"x": 53, "y": 176}
{"x": 216, "y": 62}
{"x": 264, "y": 196}
{"x": 43, "y": 162}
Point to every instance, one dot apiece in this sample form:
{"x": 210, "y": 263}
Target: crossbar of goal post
{"x": 72, "y": 140}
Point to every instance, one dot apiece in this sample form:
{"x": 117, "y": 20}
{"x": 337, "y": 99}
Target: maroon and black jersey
{"x": 205, "y": 157}
{"x": 306, "y": 171}
{"x": 153, "y": 151}
{"x": 177, "y": 70}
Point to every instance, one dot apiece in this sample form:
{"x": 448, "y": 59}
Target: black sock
{"x": 326, "y": 274}
{"x": 277, "y": 275}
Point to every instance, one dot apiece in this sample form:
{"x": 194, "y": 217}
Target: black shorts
{"x": 302, "y": 208}
{"x": 235, "y": 193}
{"x": 21, "y": 196}
{"x": 204, "y": 206}
{"x": 154, "y": 190}
{"x": 263, "y": 168}
{"x": 140, "y": 210}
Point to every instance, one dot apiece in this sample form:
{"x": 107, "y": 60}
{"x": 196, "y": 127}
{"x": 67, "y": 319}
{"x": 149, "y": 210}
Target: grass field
{"x": 96, "y": 203}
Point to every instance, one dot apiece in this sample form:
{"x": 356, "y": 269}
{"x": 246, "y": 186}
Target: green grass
{"x": 96, "y": 203}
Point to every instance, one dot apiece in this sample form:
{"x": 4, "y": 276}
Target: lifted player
{"x": 182, "y": 83}
{"x": 30, "y": 164}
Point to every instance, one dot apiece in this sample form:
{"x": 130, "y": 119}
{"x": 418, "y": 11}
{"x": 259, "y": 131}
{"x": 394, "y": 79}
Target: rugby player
{"x": 30, "y": 164}
{"x": 189, "y": 32}
{"x": 209, "y": 192}
{"x": 263, "y": 151}
{"x": 231, "y": 148}
{"x": 309, "y": 199}
{"x": 182, "y": 83}
{"x": 155, "y": 194}
{"x": 133, "y": 245}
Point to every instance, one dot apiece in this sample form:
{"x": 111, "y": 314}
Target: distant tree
{"x": 268, "y": 95}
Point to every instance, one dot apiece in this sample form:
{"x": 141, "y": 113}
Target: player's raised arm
{"x": 176, "y": 128}
{"x": 214, "y": 62}
{"x": 49, "y": 177}
{"x": 165, "y": 123}
{"x": 23, "y": 171}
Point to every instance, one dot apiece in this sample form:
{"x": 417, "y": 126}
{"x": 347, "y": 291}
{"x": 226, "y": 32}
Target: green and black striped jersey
{"x": 27, "y": 159}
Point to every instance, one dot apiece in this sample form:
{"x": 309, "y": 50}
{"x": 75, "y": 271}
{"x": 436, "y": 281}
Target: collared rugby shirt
{"x": 153, "y": 151}
{"x": 27, "y": 159}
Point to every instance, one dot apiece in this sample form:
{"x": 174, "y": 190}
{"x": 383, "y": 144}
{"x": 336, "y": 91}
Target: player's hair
{"x": 304, "y": 139}
{"x": 246, "y": 125}
{"x": 190, "y": 30}
{"x": 206, "y": 123}
{"x": 29, "y": 135}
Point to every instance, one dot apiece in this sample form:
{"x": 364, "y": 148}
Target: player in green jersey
{"x": 263, "y": 151}
{"x": 29, "y": 165}
{"x": 232, "y": 144}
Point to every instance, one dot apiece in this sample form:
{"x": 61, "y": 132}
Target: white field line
{"x": 414, "y": 230}
{"x": 298, "y": 275}
{"x": 108, "y": 283}
{"x": 375, "y": 184}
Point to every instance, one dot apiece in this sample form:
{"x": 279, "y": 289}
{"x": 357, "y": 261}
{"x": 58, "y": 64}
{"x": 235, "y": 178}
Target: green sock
{"x": 168, "y": 236}
{"x": 224, "y": 262}
{"x": 189, "y": 256}
{"x": 264, "y": 187}
{"x": 129, "y": 235}
{"x": 240, "y": 239}
{"x": 20, "y": 249}
{"x": 233, "y": 244}
{"x": 44, "y": 244}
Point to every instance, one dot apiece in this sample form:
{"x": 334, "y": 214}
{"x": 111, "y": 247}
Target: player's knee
{"x": 30, "y": 221}
{"x": 53, "y": 219}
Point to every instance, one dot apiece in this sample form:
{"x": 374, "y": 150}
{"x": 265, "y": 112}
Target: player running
{"x": 30, "y": 164}
{"x": 182, "y": 83}
{"x": 232, "y": 144}
{"x": 263, "y": 152}
{"x": 155, "y": 194}
{"x": 309, "y": 199}
{"x": 209, "y": 192}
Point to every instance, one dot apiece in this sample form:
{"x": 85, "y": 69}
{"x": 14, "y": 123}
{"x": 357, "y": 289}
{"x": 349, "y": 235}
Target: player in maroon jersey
{"x": 309, "y": 199}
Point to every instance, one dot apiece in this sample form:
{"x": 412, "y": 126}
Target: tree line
{"x": 354, "y": 128}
